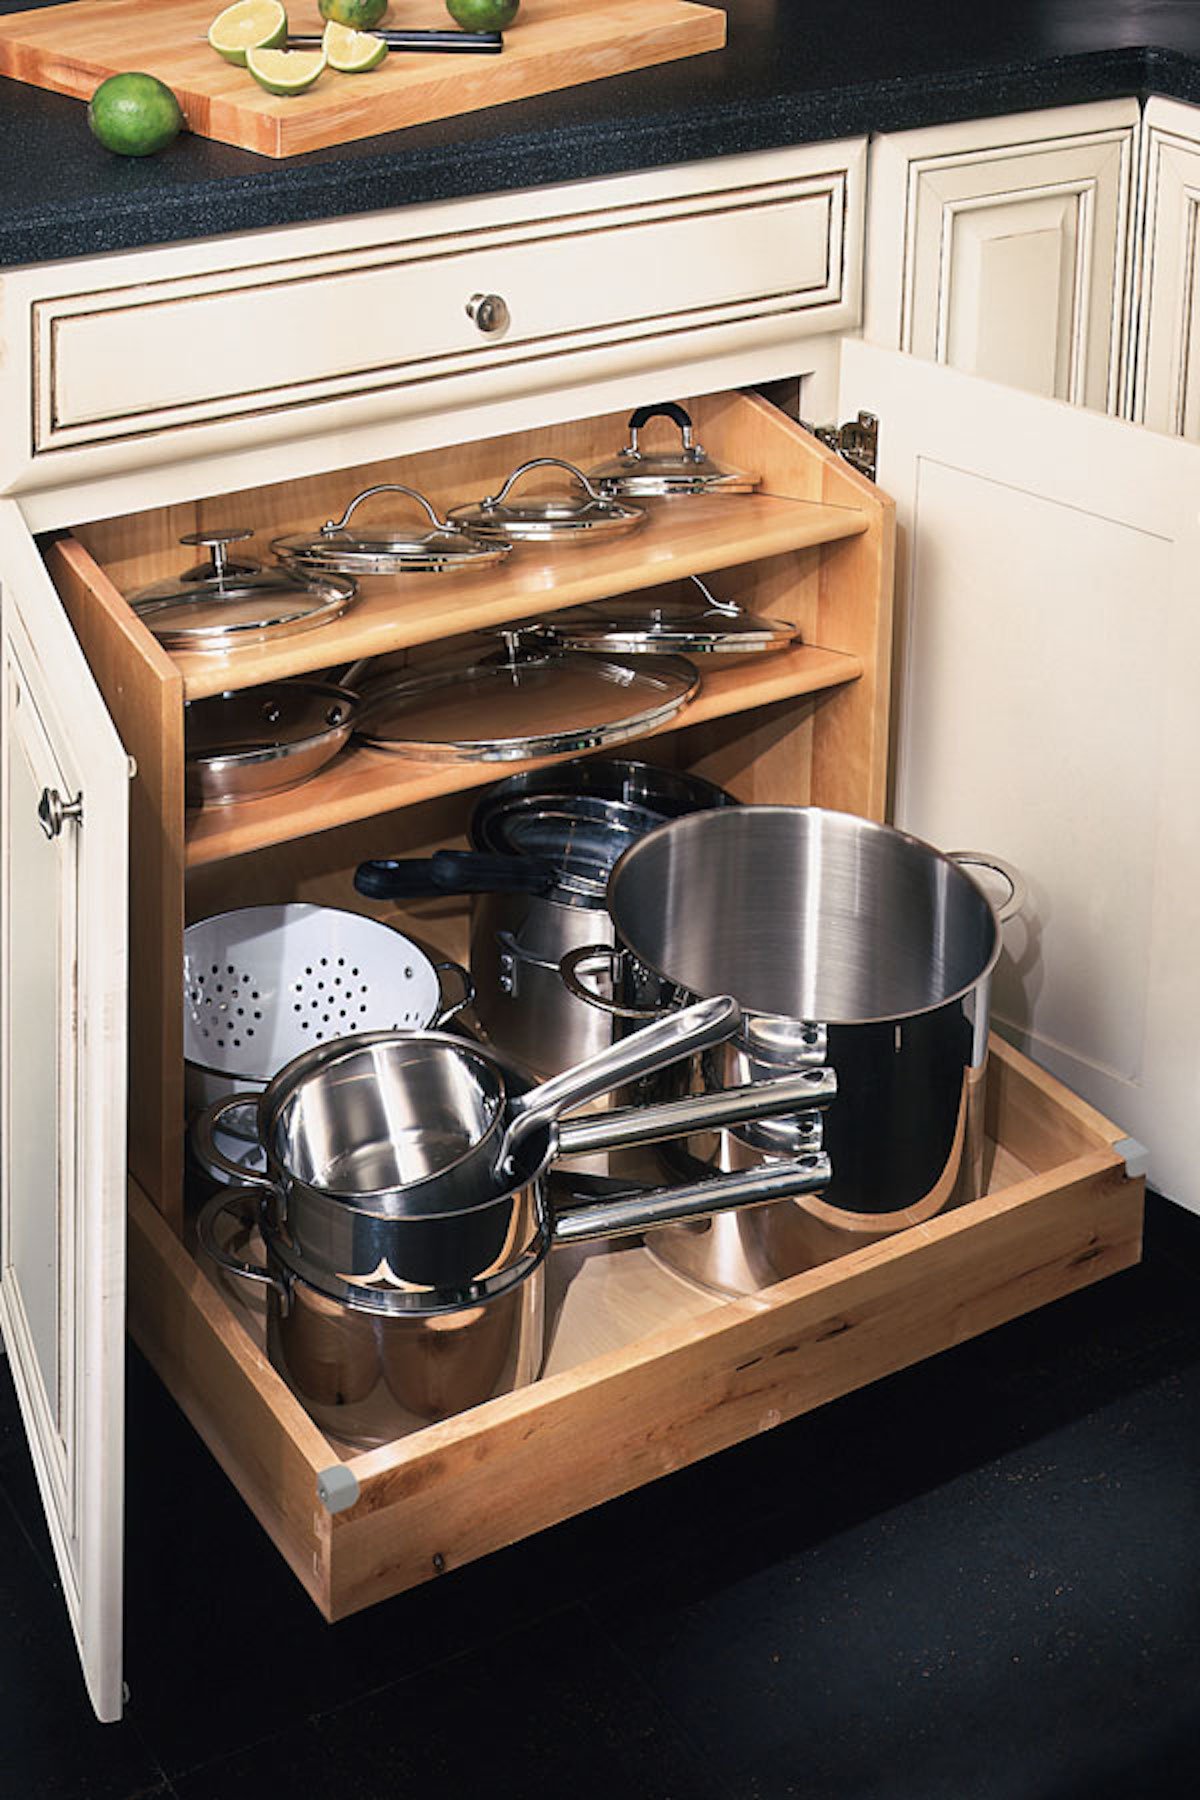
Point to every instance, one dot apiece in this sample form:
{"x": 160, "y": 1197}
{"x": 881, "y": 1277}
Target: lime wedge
{"x": 285, "y": 71}
{"x": 248, "y": 25}
{"x": 352, "y": 52}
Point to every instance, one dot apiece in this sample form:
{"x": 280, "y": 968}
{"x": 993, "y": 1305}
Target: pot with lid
{"x": 687, "y": 469}
{"x": 407, "y": 1184}
{"x": 847, "y": 943}
{"x": 237, "y": 604}
{"x": 543, "y": 847}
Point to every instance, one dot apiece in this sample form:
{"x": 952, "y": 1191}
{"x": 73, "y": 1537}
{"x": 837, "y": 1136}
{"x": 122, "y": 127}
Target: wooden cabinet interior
{"x": 807, "y": 724}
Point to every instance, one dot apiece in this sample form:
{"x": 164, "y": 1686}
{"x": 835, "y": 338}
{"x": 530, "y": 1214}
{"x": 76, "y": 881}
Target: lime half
{"x": 352, "y": 52}
{"x": 285, "y": 71}
{"x": 248, "y": 25}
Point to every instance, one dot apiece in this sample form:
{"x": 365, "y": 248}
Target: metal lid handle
{"x": 542, "y": 462}
{"x": 387, "y": 487}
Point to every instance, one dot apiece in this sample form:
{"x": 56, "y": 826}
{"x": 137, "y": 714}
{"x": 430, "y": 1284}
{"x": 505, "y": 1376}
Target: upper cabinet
{"x": 162, "y": 374}
{"x": 1001, "y": 247}
{"x": 1166, "y": 369}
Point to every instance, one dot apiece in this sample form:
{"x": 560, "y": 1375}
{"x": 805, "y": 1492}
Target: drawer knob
{"x": 54, "y": 811}
{"x": 490, "y": 312}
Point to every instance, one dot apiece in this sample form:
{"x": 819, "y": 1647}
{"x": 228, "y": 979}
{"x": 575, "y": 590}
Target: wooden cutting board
{"x": 553, "y": 44}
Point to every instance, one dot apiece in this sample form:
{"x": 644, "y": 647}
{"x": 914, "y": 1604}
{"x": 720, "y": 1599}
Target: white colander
{"x": 263, "y": 984}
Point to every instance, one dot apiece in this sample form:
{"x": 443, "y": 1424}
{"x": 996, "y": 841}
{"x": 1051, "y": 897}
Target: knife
{"x": 482, "y": 43}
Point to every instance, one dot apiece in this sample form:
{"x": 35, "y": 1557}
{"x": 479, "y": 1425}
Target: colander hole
{"x": 408, "y": 974}
{"x": 354, "y": 971}
{"x": 215, "y": 969}
{"x": 229, "y": 969}
{"x": 341, "y": 962}
{"x": 308, "y": 971}
{"x": 304, "y": 1024}
{"x": 363, "y": 1007}
{"x": 296, "y": 1006}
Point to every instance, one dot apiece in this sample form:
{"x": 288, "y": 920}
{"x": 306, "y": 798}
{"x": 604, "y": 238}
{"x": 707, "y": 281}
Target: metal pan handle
{"x": 636, "y": 1212}
{"x": 628, "y": 1126}
{"x": 1018, "y": 888}
{"x": 210, "y": 1212}
{"x": 214, "y": 1161}
{"x": 446, "y": 1013}
{"x": 611, "y": 954}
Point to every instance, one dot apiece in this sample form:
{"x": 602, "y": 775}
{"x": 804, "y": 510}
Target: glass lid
{"x": 688, "y": 469}
{"x": 541, "y": 701}
{"x": 686, "y": 619}
{"x": 221, "y": 611}
{"x": 389, "y": 548}
{"x": 578, "y": 514}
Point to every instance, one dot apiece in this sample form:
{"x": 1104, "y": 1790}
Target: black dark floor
{"x": 979, "y": 1580}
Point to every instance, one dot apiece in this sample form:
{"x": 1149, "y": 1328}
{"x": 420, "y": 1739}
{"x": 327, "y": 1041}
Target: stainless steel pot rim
{"x": 393, "y": 1300}
{"x": 694, "y": 821}
{"x": 248, "y": 756}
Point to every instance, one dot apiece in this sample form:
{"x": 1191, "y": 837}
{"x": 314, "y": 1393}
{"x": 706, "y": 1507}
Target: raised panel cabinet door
{"x": 1001, "y": 247}
{"x": 1048, "y": 638}
{"x": 63, "y": 904}
{"x": 1166, "y": 380}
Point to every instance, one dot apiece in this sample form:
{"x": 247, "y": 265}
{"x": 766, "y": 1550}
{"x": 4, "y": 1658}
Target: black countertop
{"x": 793, "y": 71}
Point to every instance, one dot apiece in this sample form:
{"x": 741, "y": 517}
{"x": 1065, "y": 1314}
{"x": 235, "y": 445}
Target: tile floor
{"x": 979, "y": 1580}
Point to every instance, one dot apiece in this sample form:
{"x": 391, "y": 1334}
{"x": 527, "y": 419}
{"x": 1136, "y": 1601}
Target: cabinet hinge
{"x": 857, "y": 441}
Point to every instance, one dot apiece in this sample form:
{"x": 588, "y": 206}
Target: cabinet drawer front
{"x": 389, "y": 319}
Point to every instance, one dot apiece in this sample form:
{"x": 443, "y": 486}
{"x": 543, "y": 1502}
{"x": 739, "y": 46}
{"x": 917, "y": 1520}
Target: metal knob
{"x": 490, "y": 312}
{"x": 54, "y": 811}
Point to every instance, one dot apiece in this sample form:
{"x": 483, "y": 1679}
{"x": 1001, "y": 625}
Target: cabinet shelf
{"x": 681, "y": 538}
{"x": 363, "y": 782}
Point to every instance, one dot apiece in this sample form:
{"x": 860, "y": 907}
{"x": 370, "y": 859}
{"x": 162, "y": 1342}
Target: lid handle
{"x": 542, "y": 462}
{"x": 217, "y": 544}
{"x": 387, "y": 487}
{"x": 668, "y": 410}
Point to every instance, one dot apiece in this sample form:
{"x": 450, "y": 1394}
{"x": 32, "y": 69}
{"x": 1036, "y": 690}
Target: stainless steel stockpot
{"x": 847, "y": 943}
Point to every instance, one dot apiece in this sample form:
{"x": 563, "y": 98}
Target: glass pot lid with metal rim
{"x": 686, "y": 619}
{"x": 390, "y": 548}
{"x": 684, "y": 469}
{"x": 232, "y": 607}
{"x": 578, "y": 514}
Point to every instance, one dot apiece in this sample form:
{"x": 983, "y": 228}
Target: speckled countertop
{"x": 793, "y": 71}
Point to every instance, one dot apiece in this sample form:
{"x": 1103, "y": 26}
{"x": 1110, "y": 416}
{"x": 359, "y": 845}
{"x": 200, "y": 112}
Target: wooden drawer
{"x": 677, "y": 1375}
{"x": 171, "y": 355}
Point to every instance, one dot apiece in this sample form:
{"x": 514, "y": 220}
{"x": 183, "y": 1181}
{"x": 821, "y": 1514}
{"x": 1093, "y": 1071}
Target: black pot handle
{"x": 668, "y": 410}
{"x": 454, "y": 872}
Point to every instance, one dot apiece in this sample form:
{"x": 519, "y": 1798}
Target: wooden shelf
{"x": 681, "y": 538}
{"x": 363, "y": 782}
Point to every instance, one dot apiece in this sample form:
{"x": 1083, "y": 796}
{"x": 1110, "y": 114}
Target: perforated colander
{"x": 264, "y": 983}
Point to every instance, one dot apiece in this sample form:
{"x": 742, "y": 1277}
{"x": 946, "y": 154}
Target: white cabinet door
{"x": 63, "y": 892}
{"x": 1048, "y": 645}
{"x": 1166, "y": 383}
{"x": 1001, "y": 247}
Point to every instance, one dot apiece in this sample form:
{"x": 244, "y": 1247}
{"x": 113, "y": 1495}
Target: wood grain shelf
{"x": 398, "y": 612}
{"x": 363, "y": 782}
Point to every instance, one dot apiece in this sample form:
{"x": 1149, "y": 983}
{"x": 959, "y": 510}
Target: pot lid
{"x": 686, "y": 470}
{"x": 576, "y": 515}
{"x": 688, "y": 620}
{"x": 390, "y": 549}
{"x": 219, "y": 612}
{"x": 537, "y": 700}
{"x": 284, "y": 715}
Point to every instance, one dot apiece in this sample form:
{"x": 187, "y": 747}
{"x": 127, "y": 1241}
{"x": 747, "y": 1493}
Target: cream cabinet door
{"x": 1048, "y": 646}
{"x": 1166, "y": 382}
{"x": 1001, "y": 247}
{"x": 63, "y": 889}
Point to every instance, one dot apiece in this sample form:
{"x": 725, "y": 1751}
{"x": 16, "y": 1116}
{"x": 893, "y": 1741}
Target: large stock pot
{"x": 847, "y": 943}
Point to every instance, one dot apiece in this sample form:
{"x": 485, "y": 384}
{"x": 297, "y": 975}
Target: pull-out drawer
{"x": 645, "y": 1374}
{"x": 173, "y": 355}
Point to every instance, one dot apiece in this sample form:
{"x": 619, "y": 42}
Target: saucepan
{"x": 355, "y": 1250}
{"x": 849, "y": 944}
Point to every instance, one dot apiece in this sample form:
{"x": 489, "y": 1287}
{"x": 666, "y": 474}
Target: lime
{"x": 285, "y": 71}
{"x": 483, "y": 15}
{"x": 248, "y": 25}
{"x": 360, "y": 15}
{"x": 134, "y": 114}
{"x": 352, "y": 52}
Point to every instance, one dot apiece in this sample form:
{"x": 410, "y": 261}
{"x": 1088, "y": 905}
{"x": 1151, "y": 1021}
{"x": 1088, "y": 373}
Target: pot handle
{"x": 453, "y": 872}
{"x": 1018, "y": 888}
{"x": 213, "y": 1161}
{"x": 628, "y": 1126}
{"x": 569, "y": 967}
{"x": 636, "y": 1212}
{"x": 206, "y": 1221}
{"x": 446, "y": 1013}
